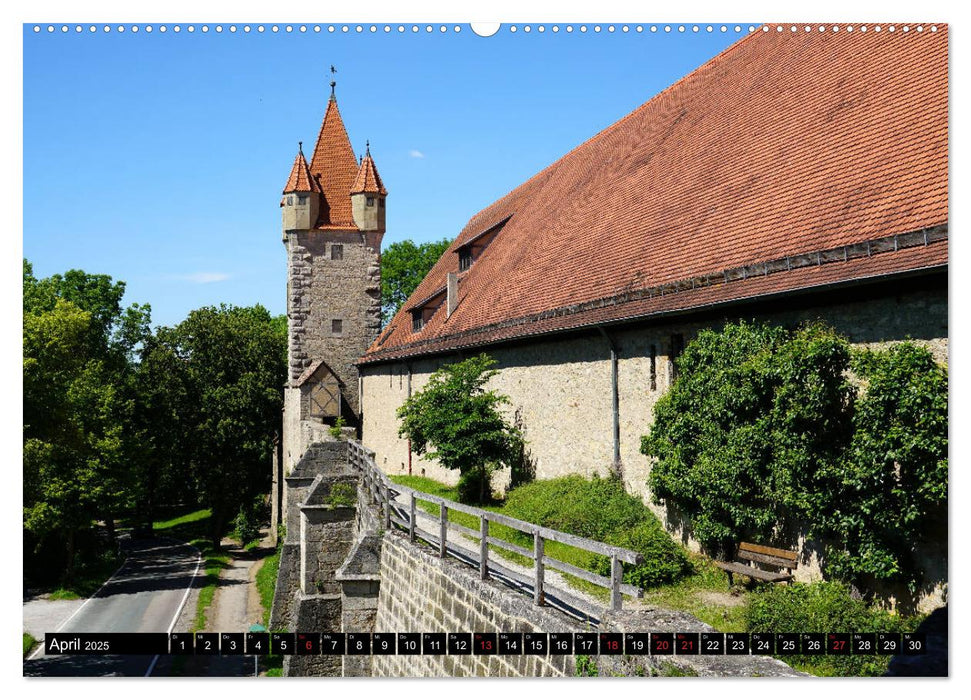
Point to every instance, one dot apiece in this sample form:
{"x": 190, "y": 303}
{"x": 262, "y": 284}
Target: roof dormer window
{"x": 417, "y": 320}
{"x": 465, "y": 258}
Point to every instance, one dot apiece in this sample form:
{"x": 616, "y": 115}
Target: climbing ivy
{"x": 764, "y": 430}
{"x": 891, "y": 489}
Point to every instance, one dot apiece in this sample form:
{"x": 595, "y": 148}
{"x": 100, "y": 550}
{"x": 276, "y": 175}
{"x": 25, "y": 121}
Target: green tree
{"x": 455, "y": 416}
{"x": 223, "y": 371}
{"x": 763, "y": 430}
{"x": 757, "y": 413}
{"x": 403, "y": 267}
{"x": 78, "y": 405}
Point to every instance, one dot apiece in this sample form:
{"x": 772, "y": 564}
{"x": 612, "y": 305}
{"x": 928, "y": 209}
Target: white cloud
{"x": 204, "y": 277}
{"x": 415, "y": 153}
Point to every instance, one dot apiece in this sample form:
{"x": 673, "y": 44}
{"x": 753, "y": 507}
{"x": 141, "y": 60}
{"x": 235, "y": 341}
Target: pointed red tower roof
{"x": 300, "y": 179}
{"x": 368, "y": 181}
{"x": 334, "y": 167}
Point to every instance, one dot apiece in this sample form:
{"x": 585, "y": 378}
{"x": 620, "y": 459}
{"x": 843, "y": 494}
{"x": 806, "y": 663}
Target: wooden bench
{"x": 756, "y": 554}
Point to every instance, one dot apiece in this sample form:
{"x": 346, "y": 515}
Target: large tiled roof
{"x": 765, "y": 171}
{"x": 334, "y": 166}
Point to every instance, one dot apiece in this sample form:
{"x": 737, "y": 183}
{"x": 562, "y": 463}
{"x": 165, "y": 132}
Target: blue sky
{"x": 159, "y": 158}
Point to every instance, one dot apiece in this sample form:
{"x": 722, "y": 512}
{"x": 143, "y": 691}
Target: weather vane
{"x": 333, "y": 83}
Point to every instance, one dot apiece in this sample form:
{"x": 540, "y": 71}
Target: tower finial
{"x": 333, "y": 83}
{"x": 367, "y": 149}
{"x": 300, "y": 147}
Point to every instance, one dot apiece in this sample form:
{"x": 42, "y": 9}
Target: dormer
{"x": 472, "y": 249}
{"x": 422, "y": 312}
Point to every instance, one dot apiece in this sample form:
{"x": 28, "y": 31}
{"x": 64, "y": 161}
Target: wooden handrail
{"x": 382, "y": 493}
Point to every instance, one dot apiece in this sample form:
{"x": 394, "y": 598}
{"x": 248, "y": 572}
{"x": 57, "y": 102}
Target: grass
{"x": 266, "y": 586}
{"x": 182, "y": 520}
{"x": 688, "y": 595}
{"x": 29, "y": 643}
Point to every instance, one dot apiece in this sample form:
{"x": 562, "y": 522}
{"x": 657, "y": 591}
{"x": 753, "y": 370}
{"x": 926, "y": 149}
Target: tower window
{"x": 336, "y": 251}
{"x": 465, "y": 259}
{"x": 301, "y": 199}
{"x": 289, "y": 200}
{"x": 370, "y": 201}
{"x": 336, "y": 326}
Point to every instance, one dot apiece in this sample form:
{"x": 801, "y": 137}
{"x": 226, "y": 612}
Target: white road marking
{"x": 178, "y": 611}
{"x": 71, "y": 617}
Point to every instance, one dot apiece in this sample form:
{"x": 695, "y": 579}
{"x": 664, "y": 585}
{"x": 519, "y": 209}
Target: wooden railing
{"x": 384, "y": 494}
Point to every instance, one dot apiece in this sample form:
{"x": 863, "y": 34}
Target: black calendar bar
{"x": 65, "y": 643}
{"x": 489, "y": 643}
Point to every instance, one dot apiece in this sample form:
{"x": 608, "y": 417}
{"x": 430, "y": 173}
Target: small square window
{"x": 301, "y": 199}
{"x": 370, "y": 201}
{"x": 336, "y": 251}
{"x": 336, "y": 326}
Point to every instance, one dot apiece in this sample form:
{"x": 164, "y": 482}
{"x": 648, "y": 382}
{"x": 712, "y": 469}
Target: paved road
{"x": 145, "y": 595}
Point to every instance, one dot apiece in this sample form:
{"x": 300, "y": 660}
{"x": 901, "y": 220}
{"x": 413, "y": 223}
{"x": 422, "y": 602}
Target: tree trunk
{"x": 69, "y": 545}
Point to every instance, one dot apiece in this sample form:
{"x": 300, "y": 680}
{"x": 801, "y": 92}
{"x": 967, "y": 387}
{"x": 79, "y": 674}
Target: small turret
{"x": 367, "y": 196}
{"x": 301, "y": 197}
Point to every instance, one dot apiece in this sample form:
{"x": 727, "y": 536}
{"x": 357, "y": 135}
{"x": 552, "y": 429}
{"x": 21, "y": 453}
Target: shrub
{"x": 756, "y": 412}
{"x": 342, "y": 494}
{"x": 824, "y": 607}
{"x": 335, "y": 430}
{"x": 664, "y": 561}
{"x": 763, "y": 431}
{"x": 892, "y": 488}
{"x": 248, "y": 520}
{"x": 601, "y": 509}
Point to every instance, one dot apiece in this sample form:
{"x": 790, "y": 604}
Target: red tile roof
{"x": 368, "y": 180}
{"x": 783, "y": 145}
{"x": 300, "y": 179}
{"x": 334, "y": 167}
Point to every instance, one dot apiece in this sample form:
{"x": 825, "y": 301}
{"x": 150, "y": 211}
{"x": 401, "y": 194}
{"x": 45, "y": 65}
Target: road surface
{"x": 145, "y": 595}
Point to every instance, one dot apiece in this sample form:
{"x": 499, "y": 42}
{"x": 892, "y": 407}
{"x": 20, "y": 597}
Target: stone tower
{"x": 333, "y": 222}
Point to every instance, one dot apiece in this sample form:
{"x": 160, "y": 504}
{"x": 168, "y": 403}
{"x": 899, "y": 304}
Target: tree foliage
{"x": 403, "y": 267}
{"x": 78, "y": 404}
{"x": 220, "y": 402}
{"x": 763, "y": 430}
{"x": 456, "y": 421}
{"x": 890, "y": 492}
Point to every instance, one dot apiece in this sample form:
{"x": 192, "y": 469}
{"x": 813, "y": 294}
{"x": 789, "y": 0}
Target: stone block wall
{"x": 322, "y": 290}
{"x": 422, "y": 593}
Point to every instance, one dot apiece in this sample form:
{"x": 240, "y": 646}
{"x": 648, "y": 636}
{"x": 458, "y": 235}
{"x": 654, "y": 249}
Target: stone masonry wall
{"x": 322, "y": 290}
{"x": 422, "y": 593}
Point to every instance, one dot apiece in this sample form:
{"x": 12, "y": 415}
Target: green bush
{"x": 892, "y": 488}
{"x": 601, "y": 509}
{"x": 824, "y": 607}
{"x": 664, "y": 561}
{"x": 335, "y": 430}
{"x": 342, "y": 494}
{"x": 247, "y": 522}
{"x": 763, "y": 432}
